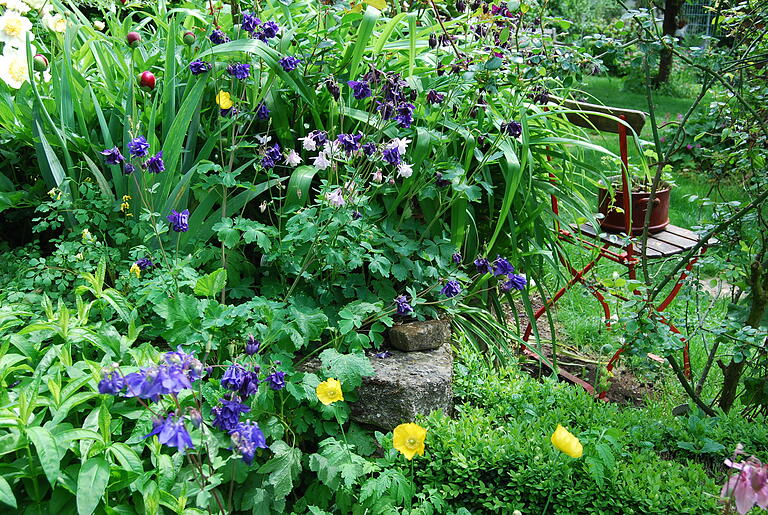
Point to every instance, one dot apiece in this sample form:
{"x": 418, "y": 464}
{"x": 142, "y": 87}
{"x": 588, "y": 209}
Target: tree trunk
{"x": 668, "y": 27}
{"x": 759, "y": 302}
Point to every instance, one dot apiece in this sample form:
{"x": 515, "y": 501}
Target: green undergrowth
{"x": 495, "y": 456}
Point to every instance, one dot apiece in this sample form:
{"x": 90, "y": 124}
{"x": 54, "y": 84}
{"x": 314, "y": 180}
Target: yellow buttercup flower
{"x": 135, "y": 270}
{"x": 224, "y": 100}
{"x": 329, "y": 391}
{"x": 566, "y": 442}
{"x": 409, "y": 440}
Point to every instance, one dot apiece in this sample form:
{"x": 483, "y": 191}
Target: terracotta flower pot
{"x": 613, "y": 218}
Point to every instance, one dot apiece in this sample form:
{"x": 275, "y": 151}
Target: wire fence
{"x": 698, "y": 17}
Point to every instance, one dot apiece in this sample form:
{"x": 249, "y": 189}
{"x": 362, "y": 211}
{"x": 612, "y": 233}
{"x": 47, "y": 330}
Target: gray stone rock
{"x": 420, "y": 336}
{"x": 405, "y": 384}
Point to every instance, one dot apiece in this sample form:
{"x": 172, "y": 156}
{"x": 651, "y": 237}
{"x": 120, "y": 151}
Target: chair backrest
{"x": 592, "y": 117}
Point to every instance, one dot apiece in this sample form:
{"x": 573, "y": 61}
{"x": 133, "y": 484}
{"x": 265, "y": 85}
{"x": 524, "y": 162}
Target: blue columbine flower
{"x": 369, "y": 148}
{"x": 276, "y": 380}
{"x": 483, "y": 265}
{"x": 155, "y": 163}
{"x": 404, "y": 115}
{"x": 128, "y": 169}
{"x": 239, "y": 70}
{"x": 268, "y": 30}
{"x": 514, "y": 282}
{"x": 113, "y": 156}
{"x": 356, "y": 215}
{"x": 247, "y": 437}
{"x": 171, "y": 432}
{"x": 512, "y": 128}
{"x": 233, "y": 377}
{"x": 451, "y": 288}
{"x": 502, "y": 267}
{"x": 289, "y": 63}
{"x": 391, "y": 155}
{"x": 262, "y": 113}
{"x": 433, "y": 97}
{"x": 227, "y": 416}
{"x": 385, "y": 109}
{"x": 319, "y": 137}
{"x": 218, "y": 37}
{"x": 456, "y": 257}
{"x": 252, "y": 345}
{"x": 198, "y": 66}
{"x": 138, "y": 147}
{"x": 179, "y": 221}
{"x": 350, "y": 142}
{"x": 360, "y": 88}
{"x": 250, "y": 22}
{"x": 272, "y": 156}
{"x": 250, "y": 384}
{"x": 144, "y": 263}
{"x": 111, "y": 383}
{"x": 403, "y": 308}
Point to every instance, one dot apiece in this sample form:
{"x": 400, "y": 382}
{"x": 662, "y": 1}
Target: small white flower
{"x": 13, "y": 29}
{"x": 377, "y": 176}
{"x": 293, "y": 159}
{"x": 55, "y": 22}
{"x": 263, "y": 206}
{"x": 404, "y": 170}
{"x": 332, "y": 147}
{"x": 13, "y": 67}
{"x": 335, "y": 198}
{"x": 263, "y": 140}
{"x": 401, "y": 144}
{"x": 15, "y": 5}
{"x": 37, "y": 4}
{"x": 99, "y": 25}
{"x": 308, "y": 143}
{"x": 321, "y": 162}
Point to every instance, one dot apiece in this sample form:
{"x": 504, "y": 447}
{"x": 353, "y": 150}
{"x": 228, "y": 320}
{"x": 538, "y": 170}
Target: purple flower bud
{"x": 252, "y": 345}
{"x": 451, "y": 288}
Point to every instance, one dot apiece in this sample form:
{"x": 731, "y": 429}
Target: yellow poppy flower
{"x": 566, "y": 442}
{"x": 409, "y": 440}
{"x": 135, "y": 270}
{"x": 224, "y": 100}
{"x": 329, "y": 391}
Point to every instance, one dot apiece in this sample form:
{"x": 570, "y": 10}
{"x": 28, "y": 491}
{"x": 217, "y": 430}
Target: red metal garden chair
{"x": 669, "y": 241}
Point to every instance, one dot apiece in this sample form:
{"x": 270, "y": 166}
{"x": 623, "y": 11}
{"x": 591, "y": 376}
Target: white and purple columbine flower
{"x": 403, "y": 308}
{"x": 456, "y": 258}
{"x": 513, "y": 282}
{"x": 451, "y": 288}
{"x": 404, "y": 170}
{"x": 335, "y": 198}
{"x": 112, "y": 156}
{"x": 391, "y": 155}
{"x": 401, "y": 144}
{"x": 138, "y": 147}
{"x": 321, "y": 162}
{"x": 293, "y": 159}
{"x": 350, "y": 142}
{"x": 155, "y": 163}
{"x": 179, "y": 220}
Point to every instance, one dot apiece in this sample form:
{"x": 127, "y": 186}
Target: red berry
{"x": 133, "y": 39}
{"x": 147, "y": 81}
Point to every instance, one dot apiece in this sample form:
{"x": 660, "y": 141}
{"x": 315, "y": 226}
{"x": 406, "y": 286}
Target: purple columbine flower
{"x": 404, "y": 115}
{"x": 233, "y": 377}
{"x": 440, "y": 182}
{"x": 252, "y": 345}
{"x": 356, "y": 215}
{"x": 138, "y": 147}
{"x": 218, "y": 37}
{"x": 483, "y": 266}
{"x": 227, "y": 416}
{"x": 144, "y": 263}
{"x": 369, "y": 148}
{"x": 456, "y": 258}
{"x": 250, "y": 22}
{"x": 513, "y": 282}
{"x": 451, "y": 288}
{"x": 179, "y": 220}
{"x": 403, "y": 308}
{"x": 276, "y": 380}
{"x": 384, "y": 354}
{"x": 113, "y": 156}
{"x": 239, "y": 70}
{"x": 268, "y": 30}
{"x": 155, "y": 163}
{"x": 111, "y": 383}
{"x": 247, "y": 437}
{"x": 128, "y": 169}
{"x": 171, "y": 432}
{"x": 250, "y": 384}
{"x": 198, "y": 66}
{"x": 512, "y": 128}
{"x": 262, "y": 113}
{"x": 385, "y": 109}
{"x": 350, "y": 142}
{"x": 433, "y": 97}
{"x": 272, "y": 156}
{"x": 391, "y": 155}
{"x": 502, "y": 267}
{"x": 360, "y": 89}
{"x": 289, "y": 63}
{"x": 335, "y": 198}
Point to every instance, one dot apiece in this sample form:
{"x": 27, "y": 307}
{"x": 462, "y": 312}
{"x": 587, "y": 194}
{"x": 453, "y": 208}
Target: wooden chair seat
{"x": 671, "y": 241}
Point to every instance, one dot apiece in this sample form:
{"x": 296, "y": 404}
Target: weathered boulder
{"x": 419, "y": 336}
{"x": 405, "y": 384}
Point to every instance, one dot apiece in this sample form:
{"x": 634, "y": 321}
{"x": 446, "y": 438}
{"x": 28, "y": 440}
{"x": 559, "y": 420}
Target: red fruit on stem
{"x": 133, "y": 39}
{"x": 147, "y": 81}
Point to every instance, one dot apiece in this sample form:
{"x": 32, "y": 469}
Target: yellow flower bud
{"x": 566, "y": 442}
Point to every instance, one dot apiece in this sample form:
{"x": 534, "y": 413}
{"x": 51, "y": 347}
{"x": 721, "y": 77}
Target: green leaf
{"x": 283, "y": 468}
{"x": 47, "y": 452}
{"x": 211, "y": 284}
{"x": 347, "y": 368}
{"x": 129, "y": 460}
{"x": 6, "y": 494}
{"x": 91, "y": 484}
